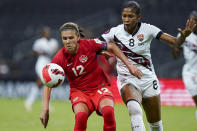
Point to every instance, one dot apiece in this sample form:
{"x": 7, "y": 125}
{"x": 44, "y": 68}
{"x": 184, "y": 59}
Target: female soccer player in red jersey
{"x": 89, "y": 89}
{"x": 134, "y": 38}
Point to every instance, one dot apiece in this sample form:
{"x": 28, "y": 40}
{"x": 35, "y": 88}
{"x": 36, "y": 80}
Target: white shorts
{"x": 41, "y": 62}
{"x": 190, "y": 81}
{"x": 148, "y": 85}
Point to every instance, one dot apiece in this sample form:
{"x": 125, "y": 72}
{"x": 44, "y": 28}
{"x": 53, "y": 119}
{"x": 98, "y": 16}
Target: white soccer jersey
{"x": 190, "y": 67}
{"x": 43, "y": 45}
{"x": 190, "y": 53}
{"x": 48, "y": 47}
{"x": 136, "y": 48}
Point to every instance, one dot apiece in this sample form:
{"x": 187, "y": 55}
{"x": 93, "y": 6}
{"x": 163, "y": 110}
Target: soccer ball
{"x": 52, "y": 75}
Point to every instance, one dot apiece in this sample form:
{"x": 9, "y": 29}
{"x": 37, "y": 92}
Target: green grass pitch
{"x": 13, "y": 117}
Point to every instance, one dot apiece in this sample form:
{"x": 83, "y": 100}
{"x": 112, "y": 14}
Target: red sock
{"x": 81, "y": 121}
{"x": 109, "y": 118}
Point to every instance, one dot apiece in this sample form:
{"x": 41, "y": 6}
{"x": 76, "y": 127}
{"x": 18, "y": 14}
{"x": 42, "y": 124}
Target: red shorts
{"x": 91, "y": 99}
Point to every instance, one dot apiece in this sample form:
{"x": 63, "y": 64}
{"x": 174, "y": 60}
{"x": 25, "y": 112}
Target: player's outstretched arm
{"x": 44, "y": 117}
{"x": 132, "y": 68}
{"x": 178, "y": 41}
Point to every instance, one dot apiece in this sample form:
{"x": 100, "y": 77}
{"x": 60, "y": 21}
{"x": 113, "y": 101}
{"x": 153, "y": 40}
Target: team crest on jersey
{"x": 83, "y": 58}
{"x": 140, "y": 37}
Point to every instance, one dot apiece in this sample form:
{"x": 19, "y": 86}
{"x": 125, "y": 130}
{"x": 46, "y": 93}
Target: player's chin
{"x": 126, "y": 25}
{"x": 69, "y": 48}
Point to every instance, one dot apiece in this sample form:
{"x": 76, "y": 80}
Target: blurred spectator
{"x": 44, "y": 48}
{"x": 189, "y": 72}
{"x": 4, "y": 68}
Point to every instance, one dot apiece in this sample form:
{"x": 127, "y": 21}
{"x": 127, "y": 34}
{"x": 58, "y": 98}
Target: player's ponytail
{"x": 81, "y": 31}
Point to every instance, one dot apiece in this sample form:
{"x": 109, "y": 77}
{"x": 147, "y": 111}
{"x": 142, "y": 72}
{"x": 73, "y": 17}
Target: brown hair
{"x": 72, "y": 26}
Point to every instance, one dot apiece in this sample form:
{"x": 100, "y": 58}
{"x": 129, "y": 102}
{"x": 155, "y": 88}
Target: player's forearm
{"x": 168, "y": 39}
{"x": 173, "y": 41}
{"x": 46, "y": 98}
{"x": 116, "y": 51}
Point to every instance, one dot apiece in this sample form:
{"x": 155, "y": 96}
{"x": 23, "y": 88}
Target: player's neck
{"x": 195, "y": 32}
{"x": 133, "y": 30}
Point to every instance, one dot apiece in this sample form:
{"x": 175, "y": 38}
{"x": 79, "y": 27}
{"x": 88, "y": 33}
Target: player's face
{"x": 130, "y": 18}
{"x": 70, "y": 40}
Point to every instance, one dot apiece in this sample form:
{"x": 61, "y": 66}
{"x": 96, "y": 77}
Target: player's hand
{"x": 189, "y": 28}
{"x": 44, "y": 117}
{"x": 135, "y": 71}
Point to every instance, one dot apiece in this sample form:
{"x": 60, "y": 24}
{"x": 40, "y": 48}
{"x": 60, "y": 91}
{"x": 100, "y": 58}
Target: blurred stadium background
{"x": 21, "y": 21}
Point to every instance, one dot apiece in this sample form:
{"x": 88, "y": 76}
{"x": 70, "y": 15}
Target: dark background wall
{"x": 21, "y": 21}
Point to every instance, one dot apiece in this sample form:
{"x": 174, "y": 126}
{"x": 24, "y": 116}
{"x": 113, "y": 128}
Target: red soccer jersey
{"x": 82, "y": 69}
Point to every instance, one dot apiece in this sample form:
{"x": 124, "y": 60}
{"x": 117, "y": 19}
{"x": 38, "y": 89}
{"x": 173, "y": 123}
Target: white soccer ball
{"x": 52, "y": 75}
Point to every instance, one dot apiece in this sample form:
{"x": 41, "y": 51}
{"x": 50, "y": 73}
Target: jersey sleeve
{"x": 155, "y": 31}
{"x": 98, "y": 45}
{"x": 57, "y": 59}
{"x": 108, "y": 35}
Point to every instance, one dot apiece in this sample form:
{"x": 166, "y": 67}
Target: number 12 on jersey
{"x": 78, "y": 70}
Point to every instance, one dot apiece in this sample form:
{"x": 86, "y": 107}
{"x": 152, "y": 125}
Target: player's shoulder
{"x": 115, "y": 28}
{"x": 86, "y": 42}
{"x": 192, "y": 37}
{"x": 89, "y": 44}
{"x": 61, "y": 52}
{"x": 149, "y": 28}
{"x": 54, "y": 40}
{"x": 118, "y": 27}
{"x": 39, "y": 40}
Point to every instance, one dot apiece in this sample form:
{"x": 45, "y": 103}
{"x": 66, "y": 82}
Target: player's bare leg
{"x": 81, "y": 116}
{"x": 106, "y": 108}
{"x": 132, "y": 98}
{"x": 195, "y": 100}
{"x": 33, "y": 94}
{"x": 152, "y": 108}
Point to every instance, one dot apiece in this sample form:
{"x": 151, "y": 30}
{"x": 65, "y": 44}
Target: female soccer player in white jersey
{"x": 189, "y": 72}
{"x": 44, "y": 48}
{"x": 133, "y": 38}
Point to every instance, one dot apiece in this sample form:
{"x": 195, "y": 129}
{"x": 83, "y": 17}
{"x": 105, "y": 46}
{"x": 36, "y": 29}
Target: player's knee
{"x": 135, "y": 113}
{"x": 108, "y": 115}
{"x": 134, "y": 108}
{"x": 156, "y": 126}
{"x": 81, "y": 121}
